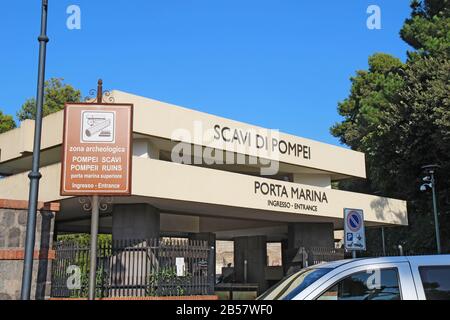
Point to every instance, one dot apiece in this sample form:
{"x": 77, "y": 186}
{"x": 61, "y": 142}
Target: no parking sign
{"x": 355, "y": 236}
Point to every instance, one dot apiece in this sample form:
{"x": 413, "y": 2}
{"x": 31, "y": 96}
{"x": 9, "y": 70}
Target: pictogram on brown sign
{"x": 97, "y": 149}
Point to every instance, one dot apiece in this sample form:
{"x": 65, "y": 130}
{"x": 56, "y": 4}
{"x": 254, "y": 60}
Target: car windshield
{"x": 292, "y": 285}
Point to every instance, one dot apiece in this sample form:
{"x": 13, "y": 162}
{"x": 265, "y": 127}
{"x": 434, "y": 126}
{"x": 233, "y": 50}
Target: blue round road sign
{"x": 354, "y": 221}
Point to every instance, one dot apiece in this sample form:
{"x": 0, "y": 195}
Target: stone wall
{"x": 13, "y": 220}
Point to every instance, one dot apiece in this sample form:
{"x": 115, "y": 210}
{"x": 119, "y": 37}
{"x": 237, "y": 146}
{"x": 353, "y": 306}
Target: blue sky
{"x": 280, "y": 64}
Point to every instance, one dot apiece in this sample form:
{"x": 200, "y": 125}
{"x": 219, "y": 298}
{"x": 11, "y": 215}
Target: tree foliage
{"x": 368, "y": 107}
{"x": 428, "y": 28}
{"x": 398, "y": 114}
{"x": 56, "y": 93}
{"x": 6, "y": 122}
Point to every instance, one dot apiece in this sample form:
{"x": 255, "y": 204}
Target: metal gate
{"x": 135, "y": 268}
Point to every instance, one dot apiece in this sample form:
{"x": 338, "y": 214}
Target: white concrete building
{"x": 273, "y": 187}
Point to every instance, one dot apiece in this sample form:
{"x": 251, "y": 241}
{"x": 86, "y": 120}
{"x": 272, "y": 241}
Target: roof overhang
{"x": 169, "y": 124}
{"x": 184, "y": 189}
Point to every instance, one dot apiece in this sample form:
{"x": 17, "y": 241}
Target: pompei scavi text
{"x": 297, "y": 193}
{"x": 260, "y": 141}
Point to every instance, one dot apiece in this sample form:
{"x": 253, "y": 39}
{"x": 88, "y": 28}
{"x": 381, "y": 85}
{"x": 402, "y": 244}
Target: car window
{"x": 436, "y": 282}
{"x": 292, "y": 285}
{"x": 375, "y": 284}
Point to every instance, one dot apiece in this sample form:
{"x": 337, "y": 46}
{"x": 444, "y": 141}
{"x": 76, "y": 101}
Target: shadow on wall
{"x": 382, "y": 208}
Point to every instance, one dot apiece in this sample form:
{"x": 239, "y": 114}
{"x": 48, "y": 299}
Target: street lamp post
{"x": 431, "y": 183}
{"x": 35, "y": 175}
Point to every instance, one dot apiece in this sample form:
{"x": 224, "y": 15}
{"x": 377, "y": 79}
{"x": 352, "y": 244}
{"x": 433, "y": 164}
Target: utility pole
{"x": 435, "y": 211}
{"x": 35, "y": 175}
{"x": 383, "y": 240}
{"x": 431, "y": 179}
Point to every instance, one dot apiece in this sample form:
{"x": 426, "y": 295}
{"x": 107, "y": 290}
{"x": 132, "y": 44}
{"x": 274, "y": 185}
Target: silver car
{"x": 388, "y": 278}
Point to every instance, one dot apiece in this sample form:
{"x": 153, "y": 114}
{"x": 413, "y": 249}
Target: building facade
{"x": 204, "y": 177}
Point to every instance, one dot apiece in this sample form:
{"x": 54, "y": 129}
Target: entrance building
{"x": 203, "y": 177}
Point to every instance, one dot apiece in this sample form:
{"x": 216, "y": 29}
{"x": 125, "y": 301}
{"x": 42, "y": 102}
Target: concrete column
{"x": 284, "y": 255}
{"x": 254, "y": 251}
{"x": 305, "y": 235}
{"x": 135, "y": 221}
{"x": 310, "y": 235}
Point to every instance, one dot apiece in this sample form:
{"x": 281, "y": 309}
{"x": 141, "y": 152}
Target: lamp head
{"x": 431, "y": 168}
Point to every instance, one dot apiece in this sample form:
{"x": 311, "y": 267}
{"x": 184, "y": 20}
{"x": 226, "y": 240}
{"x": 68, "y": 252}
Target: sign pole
{"x": 94, "y": 222}
{"x": 94, "y": 233}
{"x": 35, "y": 175}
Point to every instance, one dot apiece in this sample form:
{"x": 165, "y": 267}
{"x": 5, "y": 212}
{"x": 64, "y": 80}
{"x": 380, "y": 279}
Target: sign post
{"x": 354, "y": 231}
{"x": 93, "y": 252}
{"x": 97, "y": 150}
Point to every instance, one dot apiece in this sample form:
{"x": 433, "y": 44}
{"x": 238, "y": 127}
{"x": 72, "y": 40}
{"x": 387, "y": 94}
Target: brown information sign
{"x": 97, "y": 149}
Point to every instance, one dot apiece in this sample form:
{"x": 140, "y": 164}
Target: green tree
{"x": 366, "y": 111}
{"x": 56, "y": 93}
{"x": 418, "y": 131}
{"x": 6, "y": 122}
{"x": 399, "y": 116}
{"x": 428, "y": 28}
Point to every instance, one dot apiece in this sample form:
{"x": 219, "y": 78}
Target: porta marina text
{"x": 281, "y": 191}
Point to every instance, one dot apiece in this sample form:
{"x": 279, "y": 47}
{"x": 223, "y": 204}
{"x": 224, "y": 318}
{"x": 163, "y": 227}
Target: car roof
{"x": 414, "y": 259}
{"x": 423, "y": 260}
{"x": 332, "y": 264}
